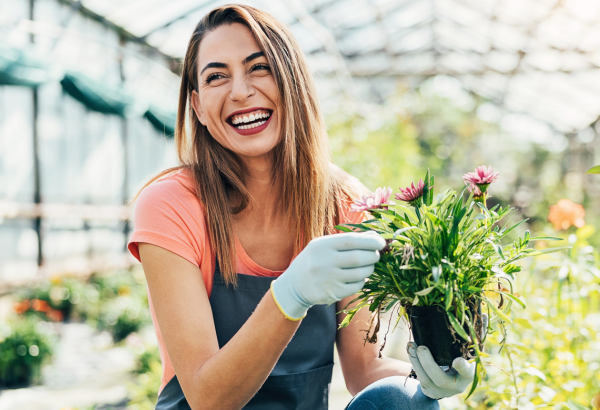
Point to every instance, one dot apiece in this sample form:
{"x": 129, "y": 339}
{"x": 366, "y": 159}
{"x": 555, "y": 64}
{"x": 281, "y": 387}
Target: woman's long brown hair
{"x": 312, "y": 186}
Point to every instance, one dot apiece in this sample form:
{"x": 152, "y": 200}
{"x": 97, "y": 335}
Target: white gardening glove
{"x": 329, "y": 269}
{"x": 437, "y": 383}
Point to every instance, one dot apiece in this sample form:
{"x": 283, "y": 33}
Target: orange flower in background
{"x": 21, "y": 307}
{"x": 54, "y": 315}
{"x": 566, "y": 213}
{"x": 40, "y": 305}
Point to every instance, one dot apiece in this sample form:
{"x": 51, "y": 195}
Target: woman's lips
{"x": 251, "y": 131}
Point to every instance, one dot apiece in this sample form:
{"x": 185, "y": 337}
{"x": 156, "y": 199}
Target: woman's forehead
{"x": 227, "y": 43}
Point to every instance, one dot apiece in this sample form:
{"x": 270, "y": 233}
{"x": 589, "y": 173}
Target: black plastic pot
{"x": 431, "y": 327}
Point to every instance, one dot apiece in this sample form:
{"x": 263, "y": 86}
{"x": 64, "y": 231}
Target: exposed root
{"x": 372, "y": 338}
{"x": 386, "y": 333}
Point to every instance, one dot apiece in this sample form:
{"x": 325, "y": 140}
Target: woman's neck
{"x": 265, "y": 192}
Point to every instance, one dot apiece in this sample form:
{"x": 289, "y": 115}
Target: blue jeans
{"x": 392, "y": 393}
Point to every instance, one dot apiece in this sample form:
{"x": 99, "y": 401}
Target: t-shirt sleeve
{"x": 168, "y": 215}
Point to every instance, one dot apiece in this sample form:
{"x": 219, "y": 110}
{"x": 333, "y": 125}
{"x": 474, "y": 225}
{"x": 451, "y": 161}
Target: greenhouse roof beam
{"x": 181, "y": 16}
{"x": 76, "y": 4}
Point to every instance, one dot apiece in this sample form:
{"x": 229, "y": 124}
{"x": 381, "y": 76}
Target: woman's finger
{"x": 347, "y": 289}
{"x": 465, "y": 369}
{"x": 439, "y": 377}
{"x": 350, "y": 241}
{"x": 356, "y": 274}
{"x": 356, "y": 258}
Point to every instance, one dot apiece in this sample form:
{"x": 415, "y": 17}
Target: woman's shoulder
{"x": 176, "y": 186}
{"x": 173, "y": 197}
{"x": 168, "y": 214}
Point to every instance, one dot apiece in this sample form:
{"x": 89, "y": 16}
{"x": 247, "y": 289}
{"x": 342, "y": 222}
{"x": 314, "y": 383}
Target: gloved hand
{"x": 329, "y": 269}
{"x": 435, "y": 382}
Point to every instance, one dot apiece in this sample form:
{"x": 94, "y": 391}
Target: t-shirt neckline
{"x": 249, "y": 262}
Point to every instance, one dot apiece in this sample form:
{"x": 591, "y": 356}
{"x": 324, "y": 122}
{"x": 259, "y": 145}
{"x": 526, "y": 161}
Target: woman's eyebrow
{"x": 252, "y": 57}
{"x": 244, "y": 62}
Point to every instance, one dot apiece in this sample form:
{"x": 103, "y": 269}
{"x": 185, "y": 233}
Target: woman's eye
{"x": 211, "y": 77}
{"x": 260, "y": 67}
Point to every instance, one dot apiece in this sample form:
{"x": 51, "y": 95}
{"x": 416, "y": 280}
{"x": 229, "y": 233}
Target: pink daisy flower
{"x": 412, "y": 193}
{"x": 482, "y": 176}
{"x": 375, "y": 200}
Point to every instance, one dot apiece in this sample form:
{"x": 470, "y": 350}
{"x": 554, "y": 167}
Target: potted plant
{"x": 444, "y": 264}
{"x": 24, "y": 347}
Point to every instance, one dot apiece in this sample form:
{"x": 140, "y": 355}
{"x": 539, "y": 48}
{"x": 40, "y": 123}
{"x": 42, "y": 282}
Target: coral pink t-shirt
{"x": 168, "y": 214}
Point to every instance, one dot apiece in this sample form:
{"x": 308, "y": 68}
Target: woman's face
{"x": 237, "y": 96}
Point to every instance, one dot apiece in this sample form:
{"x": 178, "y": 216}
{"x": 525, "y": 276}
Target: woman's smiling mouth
{"x": 252, "y": 121}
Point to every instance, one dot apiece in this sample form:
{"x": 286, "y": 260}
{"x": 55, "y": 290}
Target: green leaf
{"x": 431, "y": 184}
{"x": 545, "y": 238}
{"x": 343, "y": 228}
{"x": 514, "y": 226}
{"x": 497, "y": 248}
{"x": 347, "y": 319}
{"x": 437, "y": 220}
{"x": 425, "y": 291}
{"x": 499, "y": 313}
{"x": 475, "y": 381}
{"x": 594, "y": 170}
{"x": 425, "y": 195}
{"x": 401, "y": 231}
{"x": 449, "y": 295}
{"x": 436, "y": 271}
{"x": 457, "y": 327}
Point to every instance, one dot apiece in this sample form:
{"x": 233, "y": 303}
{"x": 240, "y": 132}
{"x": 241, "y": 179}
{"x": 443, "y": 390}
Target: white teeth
{"x": 249, "y": 118}
{"x": 250, "y": 126}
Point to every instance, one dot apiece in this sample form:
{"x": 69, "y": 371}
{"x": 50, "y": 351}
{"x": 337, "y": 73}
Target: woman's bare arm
{"x": 210, "y": 377}
{"x": 360, "y": 362}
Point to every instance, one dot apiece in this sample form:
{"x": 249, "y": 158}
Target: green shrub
{"x": 24, "y": 347}
{"x": 143, "y": 393}
{"x": 122, "y": 306}
{"x": 122, "y": 316}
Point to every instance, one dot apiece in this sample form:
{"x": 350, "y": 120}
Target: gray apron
{"x": 302, "y": 375}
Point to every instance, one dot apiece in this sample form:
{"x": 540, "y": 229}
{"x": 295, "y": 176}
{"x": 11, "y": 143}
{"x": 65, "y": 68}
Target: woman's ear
{"x": 198, "y": 108}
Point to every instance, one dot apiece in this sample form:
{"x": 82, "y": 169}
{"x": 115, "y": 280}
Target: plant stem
{"x": 512, "y": 370}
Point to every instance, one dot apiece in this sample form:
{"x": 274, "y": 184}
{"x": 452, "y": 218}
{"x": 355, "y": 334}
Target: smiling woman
{"x": 236, "y": 77}
{"x": 245, "y": 269}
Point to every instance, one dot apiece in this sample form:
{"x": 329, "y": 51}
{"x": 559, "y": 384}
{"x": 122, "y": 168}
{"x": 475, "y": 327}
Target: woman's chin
{"x": 254, "y": 152}
{"x": 254, "y": 147}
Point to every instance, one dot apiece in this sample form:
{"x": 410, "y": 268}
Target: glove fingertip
{"x": 463, "y": 367}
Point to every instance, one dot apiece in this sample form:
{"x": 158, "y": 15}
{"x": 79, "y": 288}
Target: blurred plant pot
{"x": 430, "y": 327}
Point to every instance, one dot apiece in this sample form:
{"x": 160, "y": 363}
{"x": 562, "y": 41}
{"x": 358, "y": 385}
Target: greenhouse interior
{"x": 89, "y": 94}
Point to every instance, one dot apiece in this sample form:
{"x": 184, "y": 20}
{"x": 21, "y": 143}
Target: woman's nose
{"x": 241, "y": 89}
